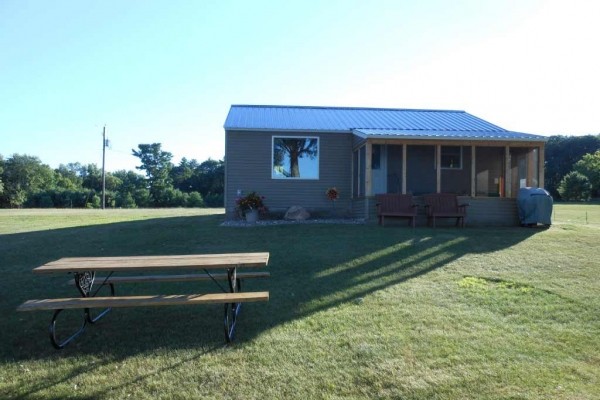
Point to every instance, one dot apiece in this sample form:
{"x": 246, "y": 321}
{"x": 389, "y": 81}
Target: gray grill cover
{"x": 535, "y": 206}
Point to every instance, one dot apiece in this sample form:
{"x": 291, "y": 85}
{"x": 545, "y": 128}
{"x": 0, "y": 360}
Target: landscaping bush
{"x": 575, "y": 187}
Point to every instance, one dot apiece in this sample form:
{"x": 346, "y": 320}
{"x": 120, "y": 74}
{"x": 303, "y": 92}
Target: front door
{"x": 379, "y": 168}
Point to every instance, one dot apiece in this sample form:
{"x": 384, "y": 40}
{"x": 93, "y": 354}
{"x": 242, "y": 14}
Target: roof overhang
{"x": 284, "y": 131}
{"x": 486, "y": 136}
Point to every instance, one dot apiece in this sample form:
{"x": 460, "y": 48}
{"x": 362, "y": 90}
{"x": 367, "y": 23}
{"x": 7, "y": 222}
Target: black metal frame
{"x": 232, "y": 309}
{"x": 84, "y": 281}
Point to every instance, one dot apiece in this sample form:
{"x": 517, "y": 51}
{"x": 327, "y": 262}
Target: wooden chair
{"x": 444, "y": 205}
{"x": 396, "y": 205}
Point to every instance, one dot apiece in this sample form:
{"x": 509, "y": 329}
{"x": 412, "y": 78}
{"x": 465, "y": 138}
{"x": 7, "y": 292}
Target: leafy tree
{"x": 142, "y": 197}
{"x": 59, "y": 198}
{"x": 589, "y": 166}
{"x": 174, "y": 198}
{"x": 69, "y": 176}
{"x": 1, "y": 170}
{"x": 132, "y": 191}
{"x": 212, "y": 176}
{"x": 575, "y": 187}
{"x": 91, "y": 177}
{"x": 183, "y": 175}
{"x": 561, "y": 153}
{"x": 125, "y": 200}
{"x": 157, "y": 165}
{"x": 24, "y": 175}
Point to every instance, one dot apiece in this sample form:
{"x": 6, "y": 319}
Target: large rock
{"x": 296, "y": 213}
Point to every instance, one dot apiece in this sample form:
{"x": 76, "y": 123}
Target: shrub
{"x": 195, "y": 200}
{"x": 575, "y": 187}
{"x": 125, "y": 200}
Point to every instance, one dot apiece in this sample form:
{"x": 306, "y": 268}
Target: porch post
{"x": 368, "y": 173}
{"x": 507, "y": 174}
{"x": 541, "y": 163}
{"x": 438, "y": 168}
{"x": 404, "y": 152}
{"x": 368, "y": 169}
{"x": 530, "y": 166}
{"x": 473, "y": 171}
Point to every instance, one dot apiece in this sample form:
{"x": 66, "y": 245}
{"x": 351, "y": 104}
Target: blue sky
{"x": 167, "y": 71}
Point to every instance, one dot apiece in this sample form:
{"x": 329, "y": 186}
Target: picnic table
{"x": 215, "y": 267}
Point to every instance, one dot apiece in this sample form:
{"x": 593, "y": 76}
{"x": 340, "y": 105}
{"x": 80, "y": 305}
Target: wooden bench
{"x": 444, "y": 205}
{"x": 85, "y": 268}
{"x": 142, "y": 301}
{"x": 397, "y": 206}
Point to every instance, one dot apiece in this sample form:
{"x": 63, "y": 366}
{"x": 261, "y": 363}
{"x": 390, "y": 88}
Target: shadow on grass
{"x": 313, "y": 268}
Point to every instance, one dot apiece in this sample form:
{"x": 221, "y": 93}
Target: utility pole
{"x": 103, "y": 172}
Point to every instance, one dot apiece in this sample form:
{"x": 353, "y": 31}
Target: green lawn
{"x": 356, "y": 311}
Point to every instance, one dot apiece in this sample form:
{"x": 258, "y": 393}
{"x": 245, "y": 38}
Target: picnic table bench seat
{"x": 142, "y": 301}
{"x": 444, "y": 205}
{"x": 397, "y": 206}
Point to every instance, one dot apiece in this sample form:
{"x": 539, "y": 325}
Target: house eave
{"x": 272, "y": 130}
{"x": 432, "y": 137}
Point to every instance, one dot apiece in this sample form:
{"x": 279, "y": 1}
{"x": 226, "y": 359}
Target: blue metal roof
{"x": 389, "y": 122}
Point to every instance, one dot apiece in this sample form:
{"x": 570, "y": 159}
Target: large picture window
{"x": 295, "y": 157}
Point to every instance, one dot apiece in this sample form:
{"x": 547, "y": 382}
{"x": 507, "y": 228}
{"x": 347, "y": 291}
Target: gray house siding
{"x": 359, "y": 207}
{"x": 458, "y": 181}
{"x": 249, "y": 164}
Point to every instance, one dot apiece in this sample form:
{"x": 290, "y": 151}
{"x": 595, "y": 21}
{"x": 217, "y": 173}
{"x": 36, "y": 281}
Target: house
{"x": 292, "y": 155}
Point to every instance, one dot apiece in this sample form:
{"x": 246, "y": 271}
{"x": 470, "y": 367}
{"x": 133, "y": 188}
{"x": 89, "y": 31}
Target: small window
{"x": 451, "y": 157}
{"x": 295, "y": 157}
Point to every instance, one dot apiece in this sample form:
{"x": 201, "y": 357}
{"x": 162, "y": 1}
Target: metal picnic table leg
{"x": 52, "y": 331}
{"x": 84, "y": 282}
{"x": 232, "y": 309}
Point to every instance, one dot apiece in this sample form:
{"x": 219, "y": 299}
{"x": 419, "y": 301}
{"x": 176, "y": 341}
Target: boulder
{"x": 296, "y": 213}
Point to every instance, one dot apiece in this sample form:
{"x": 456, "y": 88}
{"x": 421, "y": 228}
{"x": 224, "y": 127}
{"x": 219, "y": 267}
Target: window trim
{"x": 318, "y": 158}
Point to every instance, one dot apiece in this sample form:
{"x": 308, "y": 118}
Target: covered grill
{"x": 535, "y": 206}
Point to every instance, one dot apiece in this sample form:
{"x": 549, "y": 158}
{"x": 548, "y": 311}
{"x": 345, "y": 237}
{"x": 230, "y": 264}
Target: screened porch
{"x": 477, "y": 170}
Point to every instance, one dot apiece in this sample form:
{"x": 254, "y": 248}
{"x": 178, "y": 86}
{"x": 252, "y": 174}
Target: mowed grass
{"x": 356, "y": 311}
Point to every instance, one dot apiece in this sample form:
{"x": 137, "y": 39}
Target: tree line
{"x": 572, "y": 167}
{"x": 26, "y": 182}
{"x": 572, "y": 173}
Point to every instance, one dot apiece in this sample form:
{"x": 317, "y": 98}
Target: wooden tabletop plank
{"x": 139, "y": 263}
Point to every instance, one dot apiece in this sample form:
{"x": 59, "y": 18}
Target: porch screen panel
{"x": 518, "y": 168}
{"x": 490, "y": 171}
{"x": 420, "y": 171}
{"x": 394, "y": 172}
{"x": 524, "y": 168}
